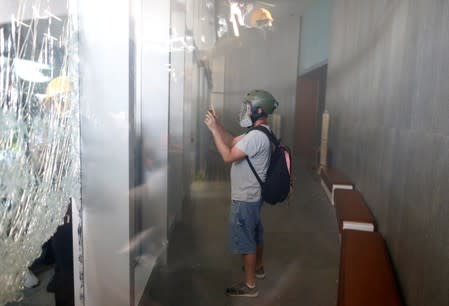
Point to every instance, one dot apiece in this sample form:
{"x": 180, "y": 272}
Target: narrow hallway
{"x": 301, "y": 251}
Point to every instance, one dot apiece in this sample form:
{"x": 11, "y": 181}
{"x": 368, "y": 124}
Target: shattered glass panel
{"x": 39, "y": 131}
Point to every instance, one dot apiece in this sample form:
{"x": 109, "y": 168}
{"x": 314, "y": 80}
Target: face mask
{"x": 245, "y": 118}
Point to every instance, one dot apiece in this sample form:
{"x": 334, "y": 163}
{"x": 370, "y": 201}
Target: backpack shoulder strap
{"x": 267, "y": 132}
{"x": 254, "y": 171}
{"x": 272, "y": 139}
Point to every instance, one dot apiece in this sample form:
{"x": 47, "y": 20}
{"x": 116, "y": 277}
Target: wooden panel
{"x": 366, "y": 275}
{"x": 305, "y": 117}
{"x": 350, "y": 206}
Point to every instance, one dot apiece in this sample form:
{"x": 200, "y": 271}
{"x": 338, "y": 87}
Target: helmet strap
{"x": 256, "y": 116}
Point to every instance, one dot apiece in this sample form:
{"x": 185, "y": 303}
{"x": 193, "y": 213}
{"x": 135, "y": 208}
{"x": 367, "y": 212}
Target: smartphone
{"x": 211, "y": 109}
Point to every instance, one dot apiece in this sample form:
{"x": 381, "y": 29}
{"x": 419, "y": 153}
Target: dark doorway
{"x": 310, "y": 105}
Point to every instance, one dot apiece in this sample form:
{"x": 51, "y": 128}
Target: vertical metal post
{"x": 105, "y": 155}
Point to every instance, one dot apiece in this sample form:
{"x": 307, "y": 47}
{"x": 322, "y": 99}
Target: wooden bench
{"x": 352, "y": 212}
{"x": 332, "y": 179}
{"x": 366, "y": 277}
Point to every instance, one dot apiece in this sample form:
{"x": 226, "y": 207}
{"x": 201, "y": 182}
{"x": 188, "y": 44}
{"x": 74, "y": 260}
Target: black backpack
{"x": 277, "y": 184}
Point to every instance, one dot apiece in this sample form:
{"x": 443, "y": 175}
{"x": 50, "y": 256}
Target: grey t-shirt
{"x": 244, "y": 184}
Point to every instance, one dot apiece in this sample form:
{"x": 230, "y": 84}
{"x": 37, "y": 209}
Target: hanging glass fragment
{"x": 39, "y": 132}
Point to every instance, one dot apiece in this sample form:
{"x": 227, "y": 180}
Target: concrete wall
{"x": 315, "y": 28}
{"x": 388, "y": 99}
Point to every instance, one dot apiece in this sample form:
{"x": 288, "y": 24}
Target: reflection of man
{"x": 49, "y": 147}
{"x": 57, "y": 99}
{"x": 245, "y": 226}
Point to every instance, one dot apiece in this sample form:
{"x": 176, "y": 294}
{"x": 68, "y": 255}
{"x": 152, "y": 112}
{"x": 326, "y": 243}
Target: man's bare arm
{"x": 224, "y": 142}
{"x": 228, "y": 139}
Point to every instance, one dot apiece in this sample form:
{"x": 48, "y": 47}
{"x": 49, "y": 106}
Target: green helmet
{"x": 262, "y": 99}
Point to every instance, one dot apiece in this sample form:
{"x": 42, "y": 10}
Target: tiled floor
{"x": 301, "y": 252}
{"x": 37, "y": 296}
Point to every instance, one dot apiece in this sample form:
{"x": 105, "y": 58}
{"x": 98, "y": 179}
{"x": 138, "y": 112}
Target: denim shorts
{"x": 245, "y": 227}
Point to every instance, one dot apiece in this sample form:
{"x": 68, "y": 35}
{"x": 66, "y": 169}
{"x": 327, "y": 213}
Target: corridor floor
{"x": 301, "y": 251}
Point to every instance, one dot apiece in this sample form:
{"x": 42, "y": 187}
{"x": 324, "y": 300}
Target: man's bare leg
{"x": 249, "y": 261}
{"x": 259, "y": 256}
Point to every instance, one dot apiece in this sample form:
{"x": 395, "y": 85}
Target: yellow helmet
{"x": 59, "y": 85}
{"x": 57, "y": 92}
{"x": 261, "y": 17}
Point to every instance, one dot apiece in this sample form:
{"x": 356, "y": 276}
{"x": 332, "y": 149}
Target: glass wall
{"x": 39, "y": 141}
{"x": 108, "y": 108}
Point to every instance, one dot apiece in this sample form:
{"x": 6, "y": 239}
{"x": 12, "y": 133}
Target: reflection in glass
{"x": 247, "y": 14}
{"x": 39, "y": 146}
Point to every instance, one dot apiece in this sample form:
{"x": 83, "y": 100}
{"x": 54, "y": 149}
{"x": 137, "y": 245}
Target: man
{"x": 245, "y": 226}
